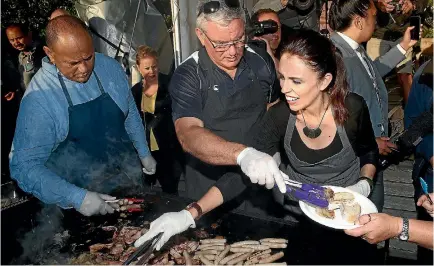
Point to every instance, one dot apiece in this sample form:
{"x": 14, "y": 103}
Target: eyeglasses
{"x": 223, "y": 47}
{"x": 214, "y": 6}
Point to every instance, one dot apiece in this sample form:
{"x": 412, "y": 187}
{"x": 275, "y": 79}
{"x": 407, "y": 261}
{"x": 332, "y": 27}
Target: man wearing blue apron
{"x": 79, "y": 133}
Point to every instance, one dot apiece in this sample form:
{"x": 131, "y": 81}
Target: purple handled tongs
{"x": 310, "y": 193}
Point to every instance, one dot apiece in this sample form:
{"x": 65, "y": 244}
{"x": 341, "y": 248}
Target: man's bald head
{"x": 70, "y": 47}
{"x": 58, "y": 12}
{"x": 64, "y": 27}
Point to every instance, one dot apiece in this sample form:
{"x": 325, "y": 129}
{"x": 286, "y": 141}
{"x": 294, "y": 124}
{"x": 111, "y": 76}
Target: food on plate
{"x": 325, "y": 212}
{"x": 329, "y": 194}
{"x": 350, "y": 212}
{"x": 340, "y": 197}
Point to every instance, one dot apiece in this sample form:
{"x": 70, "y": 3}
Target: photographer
{"x": 293, "y": 14}
{"x": 392, "y": 20}
{"x": 267, "y": 27}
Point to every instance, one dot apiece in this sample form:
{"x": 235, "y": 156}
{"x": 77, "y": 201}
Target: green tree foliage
{"x": 33, "y": 13}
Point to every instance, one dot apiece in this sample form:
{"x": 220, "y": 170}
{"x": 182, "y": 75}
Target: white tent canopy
{"x": 119, "y": 27}
{"x": 184, "y": 19}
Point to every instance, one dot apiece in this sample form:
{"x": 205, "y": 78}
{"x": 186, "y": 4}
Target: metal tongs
{"x": 310, "y": 193}
{"x": 146, "y": 249}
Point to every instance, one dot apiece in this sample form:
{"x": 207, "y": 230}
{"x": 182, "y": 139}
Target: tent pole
{"x": 176, "y": 32}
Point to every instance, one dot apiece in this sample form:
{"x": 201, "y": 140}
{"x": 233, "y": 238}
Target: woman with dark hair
{"x": 326, "y": 131}
{"x": 154, "y": 105}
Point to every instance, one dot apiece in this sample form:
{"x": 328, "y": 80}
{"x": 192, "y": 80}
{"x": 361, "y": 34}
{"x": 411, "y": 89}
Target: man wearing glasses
{"x": 219, "y": 96}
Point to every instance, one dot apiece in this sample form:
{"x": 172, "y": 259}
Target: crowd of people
{"x": 235, "y": 119}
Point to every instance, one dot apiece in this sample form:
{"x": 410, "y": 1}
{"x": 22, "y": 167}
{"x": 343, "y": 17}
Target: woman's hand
{"x": 377, "y": 227}
{"x": 424, "y": 202}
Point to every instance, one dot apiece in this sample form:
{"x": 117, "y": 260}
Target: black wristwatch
{"x": 370, "y": 182}
{"x": 404, "y": 235}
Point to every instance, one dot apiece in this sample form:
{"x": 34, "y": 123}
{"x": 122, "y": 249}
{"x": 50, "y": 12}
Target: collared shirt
{"x": 187, "y": 84}
{"x": 43, "y": 123}
{"x": 30, "y": 61}
{"x": 355, "y": 46}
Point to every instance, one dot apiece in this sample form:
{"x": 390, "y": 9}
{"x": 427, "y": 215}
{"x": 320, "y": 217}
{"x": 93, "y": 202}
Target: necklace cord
{"x": 322, "y": 118}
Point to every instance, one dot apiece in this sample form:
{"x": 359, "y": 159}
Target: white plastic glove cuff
{"x": 242, "y": 154}
{"x": 361, "y": 187}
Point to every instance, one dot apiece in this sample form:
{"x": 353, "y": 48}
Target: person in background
{"x": 292, "y": 16}
{"x": 391, "y": 26}
{"x": 377, "y": 227}
{"x": 78, "y": 132}
{"x": 353, "y": 22}
{"x": 58, "y": 12}
{"x": 30, "y": 52}
{"x": 420, "y": 101}
{"x": 10, "y": 100}
{"x": 154, "y": 104}
{"x": 272, "y": 40}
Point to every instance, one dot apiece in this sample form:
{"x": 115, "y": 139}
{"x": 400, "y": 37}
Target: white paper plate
{"x": 338, "y": 223}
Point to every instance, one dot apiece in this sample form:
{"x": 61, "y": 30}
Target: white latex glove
{"x": 261, "y": 168}
{"x": 170, "y": 223}
{"x": 361, "y": 187}
{"x": 277, "y": 158}
{"x": 94, "y": 203}
{"x": 149, "y": 165}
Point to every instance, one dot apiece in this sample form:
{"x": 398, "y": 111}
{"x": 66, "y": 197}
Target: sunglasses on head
{"x": 214, "y": 6}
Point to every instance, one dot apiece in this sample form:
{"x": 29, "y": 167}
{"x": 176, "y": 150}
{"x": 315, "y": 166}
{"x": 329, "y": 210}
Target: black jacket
{"x": 161, "y": 120}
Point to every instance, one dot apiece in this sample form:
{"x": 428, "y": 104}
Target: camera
{"x": 301, "y": 4}
{"x": 263, "y": 27}
{"x": 398, "y": 7}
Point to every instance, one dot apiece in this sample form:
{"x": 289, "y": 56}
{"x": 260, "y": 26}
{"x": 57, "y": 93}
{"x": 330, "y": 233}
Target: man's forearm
{"x": 208, "y": 147}
{"x": 421, "y": 233}
{"x": 368, "y": 170}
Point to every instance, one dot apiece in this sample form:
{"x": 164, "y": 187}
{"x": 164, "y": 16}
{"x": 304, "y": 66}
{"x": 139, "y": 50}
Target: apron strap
{"x": 65, "y": 91}
{"x": 100, "y": 87}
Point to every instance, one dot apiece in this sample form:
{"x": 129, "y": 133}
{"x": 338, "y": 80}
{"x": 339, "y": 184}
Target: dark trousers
{"x": 422, "y": 168}
{"x": 169, "y": 170}
{"x": 377, "y": 194}
{"x": 9, "y": 113}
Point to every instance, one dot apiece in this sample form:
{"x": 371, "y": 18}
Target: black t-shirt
{"x": 358, "y": 128}
{"x": 190, "y": 80}
{"x": 308, "y": 155}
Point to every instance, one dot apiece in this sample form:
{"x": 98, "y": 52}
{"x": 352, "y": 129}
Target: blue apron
{"x": 97, "y": 154}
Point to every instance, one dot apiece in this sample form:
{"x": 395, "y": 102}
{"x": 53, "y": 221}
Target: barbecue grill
{"x": 309, "y": 243}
